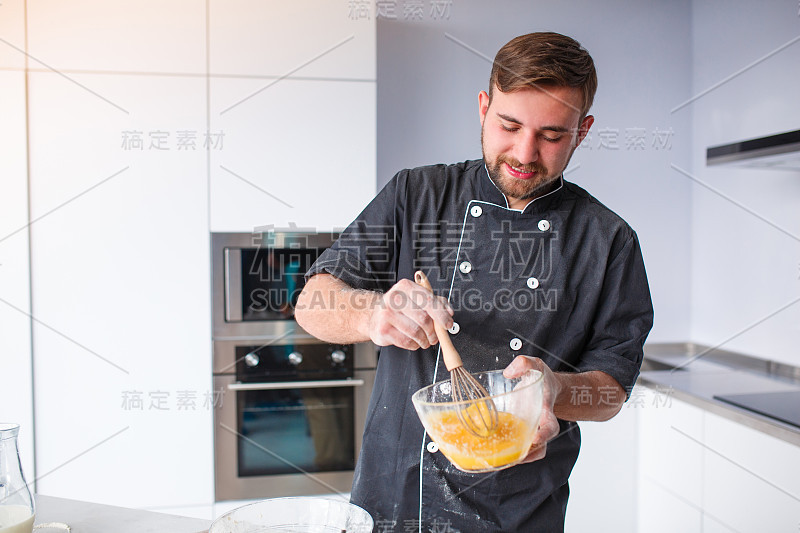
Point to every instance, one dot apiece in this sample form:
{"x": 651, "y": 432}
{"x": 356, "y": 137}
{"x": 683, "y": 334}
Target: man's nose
{"x": 526, "y": 150}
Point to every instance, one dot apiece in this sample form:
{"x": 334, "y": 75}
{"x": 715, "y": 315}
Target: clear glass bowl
{"x": 519, "y": 406}
{"x": 295, "y": 515}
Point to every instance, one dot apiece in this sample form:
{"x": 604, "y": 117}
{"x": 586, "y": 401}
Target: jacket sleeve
{"x": 365, "y": 255}
{"x": 622, "y": 320}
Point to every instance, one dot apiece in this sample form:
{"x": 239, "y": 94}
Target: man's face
{"x": 528, "y": 137}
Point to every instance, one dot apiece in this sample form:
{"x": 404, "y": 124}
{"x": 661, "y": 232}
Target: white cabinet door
{"x": 295, "y": 152}
{"x": 16, "y": 388}
{"x": 713, "y": 525}
{"x": 309, "y": 39}
{"x": 136, "y": 37}
{"x": 12, "y": 31}
{"x": 751, "y": 479}
{"x": 663, "y": 511}
{"x": 670, "y": 461}
{"x": 603, "y": 482}
{"x": 120, "y": 260}
{"x": 293, "y": 99}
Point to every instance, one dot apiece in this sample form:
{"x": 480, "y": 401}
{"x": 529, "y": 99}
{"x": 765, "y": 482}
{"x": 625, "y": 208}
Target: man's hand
{"x": 404, "y": 317}
{"x": 333, "y": 311}
{"x": 606, "y": 397}
{"x": 551, "y": 387}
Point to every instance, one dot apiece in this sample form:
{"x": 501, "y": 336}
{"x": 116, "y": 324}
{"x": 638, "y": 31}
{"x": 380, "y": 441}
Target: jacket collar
{"x": 490, "y": 193}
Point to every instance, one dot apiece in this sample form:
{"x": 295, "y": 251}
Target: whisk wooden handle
{"x": 451, "y": 358}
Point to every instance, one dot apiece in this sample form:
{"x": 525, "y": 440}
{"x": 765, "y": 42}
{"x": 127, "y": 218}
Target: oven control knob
{"x": 251, "y": 359}
{"x": 338, "y": 356}
{"x": 295, "y": 358}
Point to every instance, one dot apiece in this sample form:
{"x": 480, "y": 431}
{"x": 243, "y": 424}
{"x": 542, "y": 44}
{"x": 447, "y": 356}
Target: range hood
{"x": 780, "y": 152}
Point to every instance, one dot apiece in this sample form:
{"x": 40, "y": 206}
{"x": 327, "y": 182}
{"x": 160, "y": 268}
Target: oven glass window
{"x": 293, "y": 430}
{"x": 272, "y": 279}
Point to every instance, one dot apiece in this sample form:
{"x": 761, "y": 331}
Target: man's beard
{"x": 520, "y": 189}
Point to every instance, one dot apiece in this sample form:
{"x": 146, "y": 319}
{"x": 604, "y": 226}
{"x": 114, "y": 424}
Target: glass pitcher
{"x": 16, "y": 502}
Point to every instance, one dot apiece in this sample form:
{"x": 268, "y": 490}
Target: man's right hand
{"x": 404, "y": 316}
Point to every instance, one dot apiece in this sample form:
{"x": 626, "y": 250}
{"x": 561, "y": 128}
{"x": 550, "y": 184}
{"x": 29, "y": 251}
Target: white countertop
{"x": 698, "y": 379}
{"x": 85, "y": 517}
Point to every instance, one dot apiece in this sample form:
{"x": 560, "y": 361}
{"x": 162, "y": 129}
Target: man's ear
{"x": 583, "y": 129}
{"x": 483, "y": 105}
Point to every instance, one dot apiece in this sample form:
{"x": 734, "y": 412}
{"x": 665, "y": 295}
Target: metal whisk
{"x": 478, "y": 413}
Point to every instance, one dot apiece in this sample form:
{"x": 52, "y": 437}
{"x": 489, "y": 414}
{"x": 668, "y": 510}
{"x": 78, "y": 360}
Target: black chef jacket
{"x": 563, "y": 280}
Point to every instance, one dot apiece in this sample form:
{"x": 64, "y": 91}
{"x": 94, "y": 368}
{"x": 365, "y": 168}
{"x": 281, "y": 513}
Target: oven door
{"x": 290, "y": 438}
{"x": 257, "y": 277}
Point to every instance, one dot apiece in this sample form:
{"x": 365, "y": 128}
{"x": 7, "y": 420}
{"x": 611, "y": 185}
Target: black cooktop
{"x": 783, "y": 406}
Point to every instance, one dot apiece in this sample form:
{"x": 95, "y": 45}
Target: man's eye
{"x": 509, "y": 128}
{"x": 552, "y": 139}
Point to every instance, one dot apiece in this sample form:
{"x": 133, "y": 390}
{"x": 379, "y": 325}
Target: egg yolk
{"x": 507, "y": 443}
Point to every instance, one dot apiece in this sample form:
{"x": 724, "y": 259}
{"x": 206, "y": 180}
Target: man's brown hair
{"x": 541, "y": 60}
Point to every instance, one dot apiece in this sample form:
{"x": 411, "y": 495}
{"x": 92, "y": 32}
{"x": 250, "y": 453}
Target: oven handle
{"x": 297, "y": 385}
{"x": 233, "y": 284}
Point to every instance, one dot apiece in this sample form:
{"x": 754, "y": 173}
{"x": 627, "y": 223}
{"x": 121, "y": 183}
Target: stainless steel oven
{"x": 293, "y": 407}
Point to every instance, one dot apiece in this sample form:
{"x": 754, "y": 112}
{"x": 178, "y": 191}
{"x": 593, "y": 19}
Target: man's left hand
{"x": 551, "y": 387}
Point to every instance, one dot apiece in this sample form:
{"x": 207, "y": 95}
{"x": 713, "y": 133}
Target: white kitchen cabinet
{"x": 668, "y": 452}
{"x": 712, "y": 525}
{"x": 328, "y": 39}
{"x": 120, "y": 269}
{"x": 670, "y": 462}
{"x": 751, "y": 479}
{"x": 663, "y": 511}
{"x": 139, "y": 37}
{"x": 16, "y": 380}
{"x": 12, "y": 31}
{"x": 293, "y": 98}
{"x": 701, "y": 472}
{"x": 129, "y": 133}
{"x": 296, "y": 152}
{"x": 603, "y": 482}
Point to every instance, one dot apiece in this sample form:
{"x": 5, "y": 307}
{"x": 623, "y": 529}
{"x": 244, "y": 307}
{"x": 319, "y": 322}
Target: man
{"x": 521, "y": 262}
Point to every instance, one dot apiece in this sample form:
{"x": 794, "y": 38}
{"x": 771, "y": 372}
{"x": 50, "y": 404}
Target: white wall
{"x": 428, "y": 112}
{"x": 744, "y": 269}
